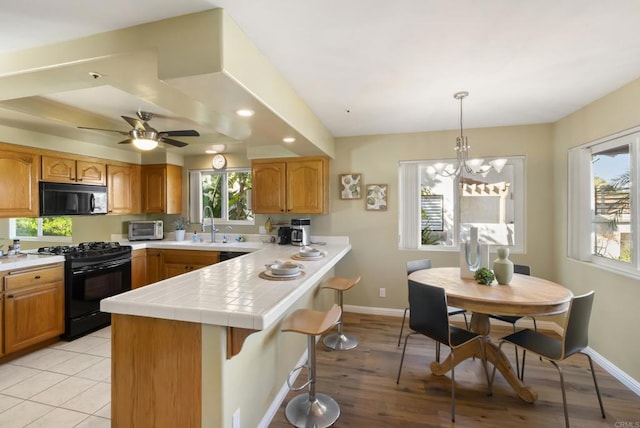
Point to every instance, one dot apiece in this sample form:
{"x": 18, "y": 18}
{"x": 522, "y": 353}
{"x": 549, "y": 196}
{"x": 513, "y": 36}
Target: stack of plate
{"x": 309, "y": 253}
{"x": 284, "y": 269}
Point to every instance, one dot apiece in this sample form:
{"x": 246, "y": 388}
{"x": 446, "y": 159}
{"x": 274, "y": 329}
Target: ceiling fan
{"x": 145, "y": 137}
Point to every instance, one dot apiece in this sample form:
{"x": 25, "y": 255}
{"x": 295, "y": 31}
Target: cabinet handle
{"x": 37, "y": 277}
{"x": 10, "y": 296}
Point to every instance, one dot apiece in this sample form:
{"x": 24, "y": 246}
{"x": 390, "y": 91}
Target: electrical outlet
{"x": 383, "y": 292}
{"x": 235, "y": 421}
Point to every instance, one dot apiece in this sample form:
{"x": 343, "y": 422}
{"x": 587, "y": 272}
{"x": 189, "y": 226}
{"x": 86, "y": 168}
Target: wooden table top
{"x": 525, "y": 296}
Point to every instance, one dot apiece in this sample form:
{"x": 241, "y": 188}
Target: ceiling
{"x": 362, "y": 66}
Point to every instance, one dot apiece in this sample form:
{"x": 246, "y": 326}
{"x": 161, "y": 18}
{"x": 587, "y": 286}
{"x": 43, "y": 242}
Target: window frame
{"x": 581, "y": 202}
{"x": 195, "y": 197}
{"x": 409, "y": 184}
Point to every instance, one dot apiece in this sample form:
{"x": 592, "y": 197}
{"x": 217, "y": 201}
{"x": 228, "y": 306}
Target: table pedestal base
{"x": 480, "y": 324}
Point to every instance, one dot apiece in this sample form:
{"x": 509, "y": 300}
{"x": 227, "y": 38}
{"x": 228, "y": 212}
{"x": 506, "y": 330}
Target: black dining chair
{"x": 428, "y": 315}
{"x": 523, "y": 270}
{"x": 574, "y": 339}
{"x": 412, "y": 266}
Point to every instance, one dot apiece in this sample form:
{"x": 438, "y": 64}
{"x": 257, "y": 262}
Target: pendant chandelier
{"x": 463, "y": 164}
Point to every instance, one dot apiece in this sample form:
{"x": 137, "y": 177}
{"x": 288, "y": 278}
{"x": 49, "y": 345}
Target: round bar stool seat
{"x": 338, "y": 340}
{"x": 311, "y": 409}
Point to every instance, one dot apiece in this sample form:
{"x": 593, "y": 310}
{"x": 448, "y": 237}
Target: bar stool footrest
{"x": 340, "y": 342}
{"x": 321, "y": 412}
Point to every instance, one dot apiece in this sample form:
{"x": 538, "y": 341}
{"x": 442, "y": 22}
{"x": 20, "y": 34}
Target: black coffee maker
{"x": 284, "y": 235}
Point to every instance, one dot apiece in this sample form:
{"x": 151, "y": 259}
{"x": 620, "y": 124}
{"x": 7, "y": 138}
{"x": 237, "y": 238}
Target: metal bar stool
{"x": 338, "y": 340}
{"x": 311, "y": 409}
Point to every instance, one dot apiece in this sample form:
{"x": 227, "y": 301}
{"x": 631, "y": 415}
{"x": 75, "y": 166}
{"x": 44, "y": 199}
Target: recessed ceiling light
{"x": 210, "y": 152}
{"x": 288, "y": 139}
{"x": 245, "y": 112}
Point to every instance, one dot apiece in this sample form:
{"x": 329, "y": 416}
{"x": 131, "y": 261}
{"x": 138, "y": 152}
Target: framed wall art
{"x": 376, "y": 199}
{"x": 350, "y": 186}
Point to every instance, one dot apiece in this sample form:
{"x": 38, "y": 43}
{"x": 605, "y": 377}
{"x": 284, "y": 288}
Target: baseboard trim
{"x": 607, "y": 365}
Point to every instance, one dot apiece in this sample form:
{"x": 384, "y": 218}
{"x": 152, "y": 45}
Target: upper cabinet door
{"x": 63, "y": 170}
{"x": 123, "y": 183}
{"x": 91, "y": 173}
{"x": 58, "y": 170}
{"x": 307, "y": 186}
{"x": 291, "y": 186}
{"x": 269, "y": 187}
{"x": 19, "y": 184}
{"x": 161, "y": 189}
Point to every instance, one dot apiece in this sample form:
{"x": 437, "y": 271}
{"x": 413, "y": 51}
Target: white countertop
{"x": 229, "y": 293}
{"x": 27, "y": 260}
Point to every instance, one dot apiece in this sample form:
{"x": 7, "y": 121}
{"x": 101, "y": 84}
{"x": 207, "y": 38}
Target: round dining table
{"x": 524, "y": 296}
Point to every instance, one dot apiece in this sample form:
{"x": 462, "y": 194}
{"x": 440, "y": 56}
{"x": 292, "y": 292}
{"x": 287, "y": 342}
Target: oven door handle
{"x": 99, "y": 267}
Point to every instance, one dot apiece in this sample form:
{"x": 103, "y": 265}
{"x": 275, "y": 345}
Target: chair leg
{"x": 404, "y": 317}
{"x": 437, "y": 352}
{"x": 404, "y": 349}
{"x": 524, "y": 353}
{"x": 453, "y": 389}
{"x": 595, "y": 383}
{"x": 466, "y": 321}
{"x": 517, "y": 362}
{"x": 564, "y": 394}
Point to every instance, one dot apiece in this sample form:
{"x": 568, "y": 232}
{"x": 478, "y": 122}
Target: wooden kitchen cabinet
{"x": 123, "y": 189}
{"x": 154, "y": 265}
{"x": 19, "y": 184}
{"x": 291, "y": 186}
{"x": 177, "y": 262}
{"x": 138, "y": 268}
{"x": 33, "y": 306}
{"x": 1, "y": 324}
{"x": 70, "y": 170}
{"x": 161, "y": 189}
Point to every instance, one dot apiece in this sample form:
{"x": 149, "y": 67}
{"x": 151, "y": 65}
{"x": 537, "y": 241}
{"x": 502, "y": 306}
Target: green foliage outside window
{"x": 51, "y": 226}
{"x": 237, "y": 189}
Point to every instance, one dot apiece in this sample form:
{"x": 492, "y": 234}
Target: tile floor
{"x": 65, "y": 385}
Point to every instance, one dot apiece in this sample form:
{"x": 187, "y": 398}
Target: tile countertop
{"x": 27, "y": 260}
{"x": 229, "y": 293}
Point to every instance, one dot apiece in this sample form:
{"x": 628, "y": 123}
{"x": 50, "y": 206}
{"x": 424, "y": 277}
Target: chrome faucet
{"x": 224, "y": 237}
{"x": 213, "y": 227}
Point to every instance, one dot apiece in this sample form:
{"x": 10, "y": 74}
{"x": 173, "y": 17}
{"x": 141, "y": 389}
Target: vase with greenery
{"x": 180, "y": 226}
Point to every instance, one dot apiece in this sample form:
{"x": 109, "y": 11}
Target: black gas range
{"x": 93, "y": 271}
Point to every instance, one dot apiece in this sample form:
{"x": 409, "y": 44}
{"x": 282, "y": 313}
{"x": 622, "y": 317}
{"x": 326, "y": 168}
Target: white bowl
{"x": 284, "y": 268}
{"x": 309, "y": 252}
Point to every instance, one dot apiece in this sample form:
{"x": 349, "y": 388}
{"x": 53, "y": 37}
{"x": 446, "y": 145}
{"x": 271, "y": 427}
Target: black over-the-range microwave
{"x": 72, "y": 199}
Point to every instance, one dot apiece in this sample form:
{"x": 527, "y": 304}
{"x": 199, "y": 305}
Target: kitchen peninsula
{"x": 205, "y": 348}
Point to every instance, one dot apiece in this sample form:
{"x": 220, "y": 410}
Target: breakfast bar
{"x": 204, "y": 349}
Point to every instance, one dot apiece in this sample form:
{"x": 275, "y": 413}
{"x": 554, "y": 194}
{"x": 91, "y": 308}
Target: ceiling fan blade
{"x": 181, "y": 133}
{"x": 102, "y": 129}
{"x": 172, "y": 142}
{"x": 127, "y": 141}
{"x": 136, "y": 123}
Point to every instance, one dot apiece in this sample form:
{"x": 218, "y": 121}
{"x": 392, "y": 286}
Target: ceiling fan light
{"x": 145, "y": 143}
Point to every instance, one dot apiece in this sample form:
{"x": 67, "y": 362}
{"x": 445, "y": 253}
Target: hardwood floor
{"x": 363, "y": 382}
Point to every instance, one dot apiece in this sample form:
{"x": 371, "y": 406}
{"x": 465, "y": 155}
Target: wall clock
{"x": 219, "y": 161}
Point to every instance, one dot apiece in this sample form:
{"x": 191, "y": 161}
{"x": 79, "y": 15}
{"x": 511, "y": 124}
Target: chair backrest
{"x": 414, "y": 265}
{"x": 576, "y": 330}
{"x": 428, "y": 312}
{"x": 522, "y": 269}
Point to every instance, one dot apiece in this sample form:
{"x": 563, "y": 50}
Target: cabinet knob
{"x": 37, "y": 277}
{"x": 10, "y": 296}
